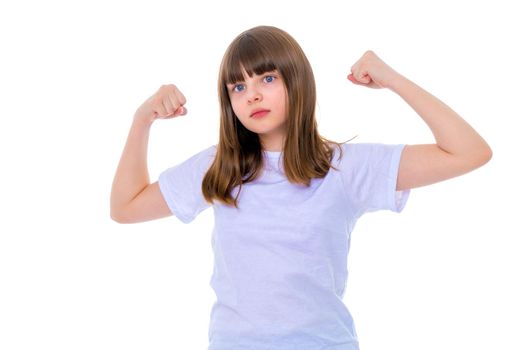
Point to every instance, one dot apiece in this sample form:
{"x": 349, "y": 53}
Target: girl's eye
{"x": 240, "y": 87}
{"x": 235, "y": 87}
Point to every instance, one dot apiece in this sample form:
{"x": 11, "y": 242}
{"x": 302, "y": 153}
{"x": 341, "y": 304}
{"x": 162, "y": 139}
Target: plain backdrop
{"x": 446, "y": 273}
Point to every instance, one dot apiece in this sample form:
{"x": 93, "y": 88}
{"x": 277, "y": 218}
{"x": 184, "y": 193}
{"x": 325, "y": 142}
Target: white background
{"x": 446, "y": 273}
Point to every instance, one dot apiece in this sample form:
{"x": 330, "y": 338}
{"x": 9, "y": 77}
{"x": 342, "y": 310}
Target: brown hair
{"x": 239, "y": 159}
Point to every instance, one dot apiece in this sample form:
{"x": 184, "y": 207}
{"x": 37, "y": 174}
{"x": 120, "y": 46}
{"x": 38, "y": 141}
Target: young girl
{"x": 285, "y": 199}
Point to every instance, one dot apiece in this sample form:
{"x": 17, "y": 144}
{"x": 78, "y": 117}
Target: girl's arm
{"x": 133, "y": 198}
{"x": 458, "y": 148}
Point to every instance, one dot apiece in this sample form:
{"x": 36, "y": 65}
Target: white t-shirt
{"x": 280, "y": 260}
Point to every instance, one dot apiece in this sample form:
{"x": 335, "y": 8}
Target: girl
{"x": 285, "y": 199}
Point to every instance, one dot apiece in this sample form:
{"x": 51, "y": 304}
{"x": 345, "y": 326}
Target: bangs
{"x": 249, "y": 54}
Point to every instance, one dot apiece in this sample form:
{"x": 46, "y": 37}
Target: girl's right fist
{"x": 168, "y": 102}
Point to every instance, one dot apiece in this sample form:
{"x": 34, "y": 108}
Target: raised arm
{"x": 458, "y": 148}
{"x": 133, "y": 198}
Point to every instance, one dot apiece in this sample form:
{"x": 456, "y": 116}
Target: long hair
{"x": 238, "y": 157}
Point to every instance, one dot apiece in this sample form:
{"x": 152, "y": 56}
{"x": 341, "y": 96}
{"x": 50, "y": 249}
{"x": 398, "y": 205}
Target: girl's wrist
{"x": 396, "y": 82}
{"x": 143, "y": 120}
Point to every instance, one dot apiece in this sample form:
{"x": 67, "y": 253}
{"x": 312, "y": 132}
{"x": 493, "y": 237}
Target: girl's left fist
{"x": 372, "y": 72}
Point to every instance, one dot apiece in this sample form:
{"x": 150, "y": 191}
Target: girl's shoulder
{"x": 356, "y": 149}
{"x": 366, "y": 153}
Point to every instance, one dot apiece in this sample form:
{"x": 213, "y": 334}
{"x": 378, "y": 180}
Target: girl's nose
{"x": 254, "y": 96}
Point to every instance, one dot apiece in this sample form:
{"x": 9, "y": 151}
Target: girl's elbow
{"x": 474, "y": 159}
{"x": 482, "y": 157}
{"x": 486, "y": 155}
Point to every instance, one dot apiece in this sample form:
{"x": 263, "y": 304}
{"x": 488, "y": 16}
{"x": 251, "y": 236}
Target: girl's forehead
{"x": 244, "y": 72}
{"x": 240, "y": 65}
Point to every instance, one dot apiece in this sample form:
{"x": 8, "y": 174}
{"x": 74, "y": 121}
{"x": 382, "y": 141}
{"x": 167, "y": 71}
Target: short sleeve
{"x": 181, "y": 185}
{"x": 369, "y": 173}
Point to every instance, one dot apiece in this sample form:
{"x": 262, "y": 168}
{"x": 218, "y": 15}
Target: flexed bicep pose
{"x": 285, "y": 198}
{"x": 458, "y": 148}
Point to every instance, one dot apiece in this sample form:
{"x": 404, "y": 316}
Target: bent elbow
{"x": 118, "y": 218}
{"x": 486, "y": 156}
{"x": 482, "y": 157}
{"x": 115, "y": 218}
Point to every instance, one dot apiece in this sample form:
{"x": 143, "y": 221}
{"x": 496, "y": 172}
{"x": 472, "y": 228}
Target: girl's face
{"x": 261, "y": 92}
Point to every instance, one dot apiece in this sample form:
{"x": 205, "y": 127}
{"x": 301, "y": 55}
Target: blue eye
{"x": 236, "y": 86}
{"x": 240, "y": 87}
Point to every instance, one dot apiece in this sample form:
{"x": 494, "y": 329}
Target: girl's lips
{"x": 259, "y": 114}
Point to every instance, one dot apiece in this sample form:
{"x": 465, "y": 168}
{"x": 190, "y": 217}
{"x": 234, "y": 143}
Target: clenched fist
{"x": 168, "y": 102}
{"x": 372, "y": 72}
